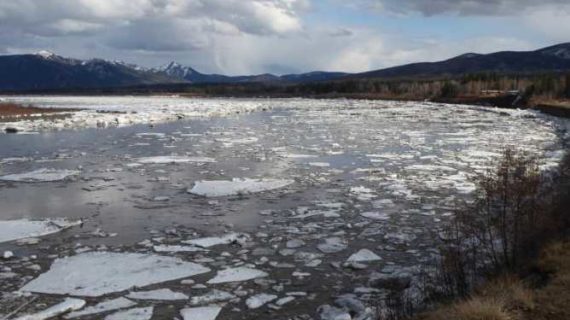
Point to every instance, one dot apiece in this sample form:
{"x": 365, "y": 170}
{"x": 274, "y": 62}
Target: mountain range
{"x": 45, "y": 70}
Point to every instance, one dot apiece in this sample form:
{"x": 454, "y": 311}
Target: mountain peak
{"x": 45, "y": 54}
{"x": 177, "y": 70}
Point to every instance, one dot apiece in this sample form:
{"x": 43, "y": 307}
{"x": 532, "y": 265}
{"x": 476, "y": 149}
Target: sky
{"x": 238, "y": 37}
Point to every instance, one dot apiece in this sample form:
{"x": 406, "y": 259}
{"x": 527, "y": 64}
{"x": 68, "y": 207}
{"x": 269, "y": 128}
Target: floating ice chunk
{"x": 105, "y": 306}
{"x": 298, "y": 156}
{"x": 284, "y": 301}
{"x": 151, "y": 135}
{"x": 259, "y": 300}
{"x": 214, "y": 241}
{"x": 20, "y": 229}
{"x": 363, "y": 255}
{"x": 201, "y": 313}
{"x": 222, "y": 188}
{"x": 237, "y": 275}
{"x": 295, "y": 243}
{"x": 229, "y": 141}
{"x": 97, "y": 273}
{"x": 374, "y": 215}
{"x": 430, "y": 168}
{"x": 41, "y": 175}
{"x": 332, "y": 245}
{"x": 174, "y": 159}
{"x": 215, "y": 296}
{"x": 176, "y": 248}
{"x": 160, "y": 294}
{"x": 67, "y": 305}
{"x": 320, "y": 164}
{"x": 132, "y": 314}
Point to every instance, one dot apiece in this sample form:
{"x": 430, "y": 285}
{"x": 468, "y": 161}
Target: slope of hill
{"x": 48, "y": 71}
{"x": 550, "y": 59}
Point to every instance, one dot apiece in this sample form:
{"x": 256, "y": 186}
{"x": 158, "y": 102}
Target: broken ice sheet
{"x": 132, "y": 314}
{"x": 259, "y": 300}
{"x": 214, "y": 296}
{"x": 67, "y": 305}
{"x": 160, "y": 294}
{"x": 332, "y": 245}
{"x": 374, "y": 215}
{"x": 363, "y": 255}
{"x": 200, "y": 313}
{"x": 20, "y": 229}
{"x": 176, "y": 248}
{"x": 237, "y": 275}
{"x": 222, "y": 188}
{"x": 105, "y": 306}
{"x": 214, "y": 241}
{"x": 40, "y": 175}
{"x": 174, "y": 159}
{"x": 97, "y": 273}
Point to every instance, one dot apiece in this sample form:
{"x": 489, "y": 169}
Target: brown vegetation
{"x": 513, "y": 232}
{"x": 514, "y": 299}
{"x": 12, "y": 109}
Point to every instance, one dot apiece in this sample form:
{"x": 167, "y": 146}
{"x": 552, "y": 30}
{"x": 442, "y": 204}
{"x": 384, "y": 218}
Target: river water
{"x": 381, "y": 176}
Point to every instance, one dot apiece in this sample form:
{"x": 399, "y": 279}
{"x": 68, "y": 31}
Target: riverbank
{"x": 542, "y": 296}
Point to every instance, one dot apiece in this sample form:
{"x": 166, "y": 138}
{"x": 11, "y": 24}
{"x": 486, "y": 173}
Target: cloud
{"x": 264, "y": 17}
{"x": 461, "y": 7}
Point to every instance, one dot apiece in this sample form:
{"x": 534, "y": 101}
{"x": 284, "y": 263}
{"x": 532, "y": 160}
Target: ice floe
{"x": 237, "y": 275}
{"x": 40, "y": 175}
{"x": 20, "y": 229}
{"x": 159, "y": 294}
{"x": 214, "y": 296}
{"x": 97, "y": 273}
{"x": 259, "y": 300}
{"x": 174, "y": 159}
{"x": 222, "y": 188}
{"x": 132, "y": 314}
{"x": 105, "y": 306}
{"x": 364, "y": 255}
{"x": 201, "y": 313}
{"x": 229, "y": 238}
{"x": 69, "y": 304}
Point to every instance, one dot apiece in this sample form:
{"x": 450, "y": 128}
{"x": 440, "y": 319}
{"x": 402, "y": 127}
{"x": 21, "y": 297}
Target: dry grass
{"x": 509, "y": 298}
{"x": 472, "y": 309}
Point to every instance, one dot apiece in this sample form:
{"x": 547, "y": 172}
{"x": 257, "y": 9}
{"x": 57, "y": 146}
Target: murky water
{"x": 373, "y": 175}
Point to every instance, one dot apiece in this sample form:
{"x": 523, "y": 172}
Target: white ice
{"x": 159, "y": 295}
{"x": 174, "y": 159}
{"x": 132, "y": 314}
{"x": 259, "y": 300}
{"x": 105, "y": 306}
{"x": 364, "y": 255}
{"x": 200, "y": 313}
{"x": 237, "y": 275}
{"x": 214, "y": 241}
{"x": 40, "y": 175}
{"x": 222, "y": 188}
{"x": 374, "y": 215}
{"x": 67, "y": 305}
{"x": 214, "y": 296}
{"x": 97, "y": 273}
{"x": 176, "y": 248}
{"x": 20, "y": 229}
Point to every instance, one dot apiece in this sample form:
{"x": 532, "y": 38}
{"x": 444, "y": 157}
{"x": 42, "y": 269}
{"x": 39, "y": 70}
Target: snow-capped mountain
{"x": 46, "y": 70}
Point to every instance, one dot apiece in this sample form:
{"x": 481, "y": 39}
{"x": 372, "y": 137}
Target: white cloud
{"x": 553, "y": 22}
